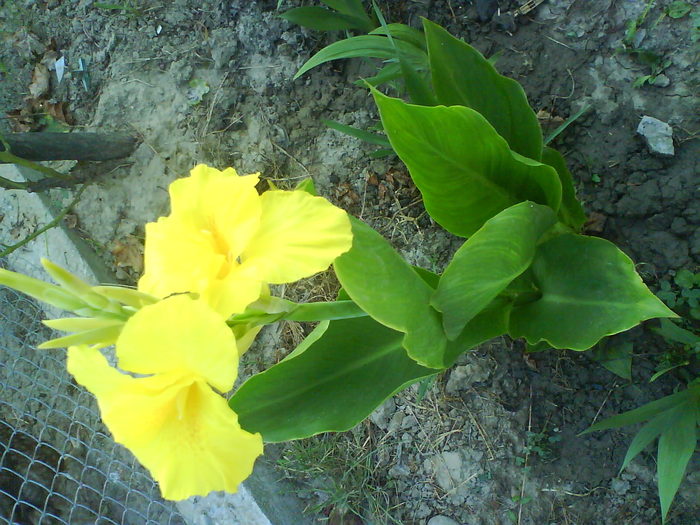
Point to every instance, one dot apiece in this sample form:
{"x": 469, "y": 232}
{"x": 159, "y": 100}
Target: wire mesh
{"x": 58, "y": 463}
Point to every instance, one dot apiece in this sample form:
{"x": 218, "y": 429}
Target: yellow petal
{"x": 177, "y": 427}
{"x": 299, "y": 235}
{"x": 221, "y": 205}
{"x": 179, "y": 334}
{"x": 177, "y": 259}
{"x": 231, "y": 295}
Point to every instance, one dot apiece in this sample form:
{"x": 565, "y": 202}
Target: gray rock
{"x": 442, "y": 520}
{"x": 383, "y": 413}
{"x": 620, "y": 486}
{"x": 658, "y": 136}
{"x": 462, "y": 377}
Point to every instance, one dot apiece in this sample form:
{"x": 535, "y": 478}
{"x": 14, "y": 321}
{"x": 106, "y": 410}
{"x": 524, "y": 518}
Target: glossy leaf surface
{"x": 462, "y": 76}
{"x": 488, "y": 262}
{"x": 463, "y": 168}
{"x": 332, "y": 385}
{"x": 385, "y": 286}
{"x": 589, "y": 290}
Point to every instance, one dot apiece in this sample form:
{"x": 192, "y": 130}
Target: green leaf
{"x": 589, "y": 290}
{"x": 307, "y": 185}
{"x": 463, "y": 168}
{"x": 322, "y": 19}
{"x": 571, "y": 213}
{"x": 42, "y": 291}
{"x": 390, "y": 72}
{"x": 351, "y": 8}
{"x": 667, "y": 369}
{"x": 488, "y": 262}
{"x": 417, "y": 86}
{"x": 678, "y": 9}
{"x": 648, "y": 433}
{"x": 676, "y": 447}
{"x": 490, "y": 322}
{"x": 554, "y": 134}
{"x": 645, "y": 412}
{"x": 104, "y": 336}
{"x": 403, "y": 32}
{"x": 366, "y": 136}
{"x": 373, "y": 46}
{"x": 617, "y": 358}
{"x": 385, "y": 286}
{"x": 462, "y": 76}
{"x": 330, "y": 387}
{"x": 685, "y": 278}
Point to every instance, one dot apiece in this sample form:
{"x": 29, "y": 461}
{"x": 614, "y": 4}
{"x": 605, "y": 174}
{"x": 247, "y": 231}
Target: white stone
{"x": 658, "y": 136}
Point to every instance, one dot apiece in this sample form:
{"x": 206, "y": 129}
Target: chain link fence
{"x": 58, "y": 463}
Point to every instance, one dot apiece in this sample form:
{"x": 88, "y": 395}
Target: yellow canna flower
{"x": 224, "y": 241}
{"x": 172, "y": 420}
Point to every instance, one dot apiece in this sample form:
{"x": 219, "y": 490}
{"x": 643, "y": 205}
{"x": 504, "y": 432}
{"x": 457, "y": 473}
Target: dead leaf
{"x": 128, "y": 253}
{"x": 547, "y": 120}
{"x": 595, "y": 223}
{"x": 70, "y": 220}
{"x": 20, "y": 121}
{"x": 40, "y": 81}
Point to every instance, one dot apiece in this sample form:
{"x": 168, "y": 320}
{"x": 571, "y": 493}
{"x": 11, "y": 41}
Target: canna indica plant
{"x": 475, "y": 151}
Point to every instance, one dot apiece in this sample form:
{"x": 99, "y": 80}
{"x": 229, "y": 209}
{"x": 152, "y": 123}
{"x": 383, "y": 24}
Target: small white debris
{"x": 658, "y": 136}
{"x": 60, "y": 66}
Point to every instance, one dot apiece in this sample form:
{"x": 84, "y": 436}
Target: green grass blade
{"x": 676, "y": 447}
{"x": 370, "y": 46}
{"x": 321, "y": 19}
{"x": 672, "y": 332}
{"x": 366, "y": 136}
{"x": 565, "y": 124}
{"x": 646, "y": 435}
{"x": 642, "y": 413}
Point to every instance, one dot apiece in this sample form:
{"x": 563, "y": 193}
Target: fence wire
{"x": 58, "y": 463}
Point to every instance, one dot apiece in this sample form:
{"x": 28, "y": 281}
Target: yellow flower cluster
{"x": 214, "y": 255}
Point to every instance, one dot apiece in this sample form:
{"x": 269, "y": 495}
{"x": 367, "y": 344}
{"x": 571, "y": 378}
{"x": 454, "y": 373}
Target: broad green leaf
{"x": 463, "y": 168}
{"x": 645, "y": 412}
{"x": 403, "y": 32}
{"x": 488, "y": 262}
{"x": 676, "y": 447}
{"x": 373, "y": 46}
{"x": 385, "y": 286}
{"x": 490, "y": 322}
{"x": 330, "y": 387}
{"x": 462, "y": 76}
{"x": 589, "y": 290}
{"x": 322, "y": 19}
{"x": 366, "y": 136}
{"x": 418, "y": 86}
{"x": 571, "y": 213}
{"x": 616, "y": 357}
{"x": 648, "y": 433}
